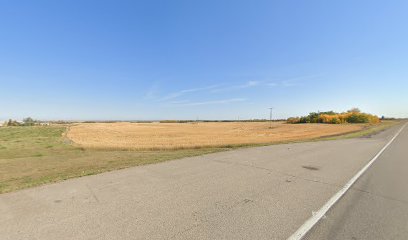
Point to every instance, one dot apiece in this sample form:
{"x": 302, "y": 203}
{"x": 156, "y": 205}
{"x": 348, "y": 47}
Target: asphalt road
{"x": 376, "y": 207}
{"x": 254, "y": 193}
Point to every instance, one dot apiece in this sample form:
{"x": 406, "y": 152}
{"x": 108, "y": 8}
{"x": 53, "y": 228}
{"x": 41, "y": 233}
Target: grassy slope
{"x": 31, "y": 156}
{"x": 368, "y": 131}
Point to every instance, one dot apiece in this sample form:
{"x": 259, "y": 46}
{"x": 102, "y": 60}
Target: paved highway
{"x": 253, "y": 193}
{"x": 376, "y": 207}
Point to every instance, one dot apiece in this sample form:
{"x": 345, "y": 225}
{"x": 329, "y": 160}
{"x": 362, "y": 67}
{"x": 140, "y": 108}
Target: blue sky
{"x": 201, "y": 59}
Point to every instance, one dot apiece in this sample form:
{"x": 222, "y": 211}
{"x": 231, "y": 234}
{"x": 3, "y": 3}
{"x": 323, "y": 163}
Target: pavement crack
{"x": 379, "y": 195}
{"x": 184, "y": 231}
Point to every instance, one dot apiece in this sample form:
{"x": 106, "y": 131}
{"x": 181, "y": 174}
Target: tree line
{"x": 26, "y": 122}
{"x": 354, "y": 115}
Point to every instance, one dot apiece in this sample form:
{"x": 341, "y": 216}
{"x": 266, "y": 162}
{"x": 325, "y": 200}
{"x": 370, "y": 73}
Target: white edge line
{"x": 309, "y": 224}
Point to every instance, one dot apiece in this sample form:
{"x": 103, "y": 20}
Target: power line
{"x": 270, "y": 117}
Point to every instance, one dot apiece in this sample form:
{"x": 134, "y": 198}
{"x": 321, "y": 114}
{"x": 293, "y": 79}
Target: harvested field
{"x": 167, "y": 136}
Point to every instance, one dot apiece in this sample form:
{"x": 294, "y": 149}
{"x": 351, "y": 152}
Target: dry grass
{"x": 170, "y": 136}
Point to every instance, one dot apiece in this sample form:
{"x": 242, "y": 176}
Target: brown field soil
{"x": 168, "y": 136}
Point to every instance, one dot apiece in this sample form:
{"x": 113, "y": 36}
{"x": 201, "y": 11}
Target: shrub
{"x": 293, "y": 120}
{"x": 362, "y": 118}
{"x": 12, "y": 123}
{"x": 304, "y": 120}
{"x": 357, "y": 118}
{"x": 334, "y": 119}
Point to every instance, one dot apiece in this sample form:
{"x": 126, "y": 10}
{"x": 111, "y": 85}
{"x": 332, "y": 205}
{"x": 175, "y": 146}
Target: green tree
{"x": 29, "y": 121}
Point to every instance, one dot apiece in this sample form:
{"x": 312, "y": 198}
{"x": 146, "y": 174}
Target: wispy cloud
{"x": 253, "y": 84}
{"x": 180, "y": 102}
{"x": 282, "y": 84}
{"x": 272, "y": 84}
{"x": 174, "y": 97}
{"x": 222, "y": 101}
{"x": 278, "y": 82}
{"x": 152, "y": 92}
{"x": 297, "y": 81}
{"x": 186, "y": 91}
{"x": 248, "y": 84}
{"x": 286, "y": 83}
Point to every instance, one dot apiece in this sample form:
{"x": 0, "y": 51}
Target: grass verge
{"x": 32, "y": 156}
{"x": 366, "y": 132}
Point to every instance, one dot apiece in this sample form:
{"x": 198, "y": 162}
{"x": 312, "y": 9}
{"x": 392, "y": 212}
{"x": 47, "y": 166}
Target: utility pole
{"x": 270, "y": 117}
